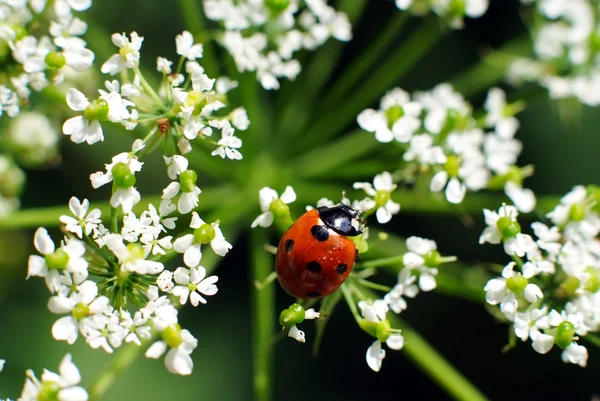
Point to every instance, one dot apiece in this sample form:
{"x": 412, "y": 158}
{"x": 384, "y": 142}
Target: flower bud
{"x": 204, "y": 234}
{"x": 516, "y": 283}
{"x": 122, "y": 176}
{"x": 80, "y": 311}
{"x": 565, "y": 334}
{"x": 277, "y": 6}
{"x": 49, "y": 391}
{"x": 187, "y": 180}
{"x": 382, "y": 197}
{"x": 172, "y": 335}
{"x": 279, "y": 208}
{"x": 57, "y": 260}
{"x": 55, "y": 60}
{"x": 432, "y": 259}
{"x": 507, "y": 227}
{"x": 393, "y": 114}
{"x": 96, "y": 110}
{"x": 577, "y": 212}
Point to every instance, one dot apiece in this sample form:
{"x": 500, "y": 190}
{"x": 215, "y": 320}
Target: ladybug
{"x": 315, "y": 255}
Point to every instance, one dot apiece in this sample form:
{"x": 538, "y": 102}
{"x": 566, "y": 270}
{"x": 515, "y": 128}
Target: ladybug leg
{"x": 267, "y": 281}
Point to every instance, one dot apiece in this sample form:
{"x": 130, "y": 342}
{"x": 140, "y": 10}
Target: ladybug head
{"x": 342, "y": 219}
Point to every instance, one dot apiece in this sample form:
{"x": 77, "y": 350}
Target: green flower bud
{"x": 569, "y": 286}
{"x": 383, "y": 331}
{"x": 20, "y": 32}
{"x": 594, "y": 192}
{"x": 279, "y": 208}
{"x": 286, "y": 318}
{"x": 382, "y": 197}
{"x": 457, "y": 7}
{"x": 122, "y": 176}
{"x": 187, "y": 180}
{"x": 393, "y": 114}
{"x": 49, "y": 391}
{"x": 55, "y": 60}
{"x": 277, "y": 6}
{"x": 80, "y": 311}
{"x": 136, "y": 251}
{"x": 361, "y": 244}
{"x": 565, "y": 334}
{"x": 516, "y": 283}
{"x": 369, "y": 327}
{"x": 96, "y": 110}
{"x": 592, "y": 284}
{"x": 507, "y": 227}
{"x": 204, "y": 234}
{"x": 577, "y": 212}
{"x": 432, "y": 259}
{"x": 172, "y": 335}
{"x": 298, "y": 312}
{"x": 452, "y": 166}
{"x": 57, "y": 260}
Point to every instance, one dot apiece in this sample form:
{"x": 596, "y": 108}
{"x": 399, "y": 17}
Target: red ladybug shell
{"x": 313, "y": 260}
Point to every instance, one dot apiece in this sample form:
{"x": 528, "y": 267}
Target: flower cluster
{"x": 566, "y": 47}
{"x": 128, "y": 267}
{"x": 550, "y": 292}
{"x": 182, "y": 109}
{"x": 439, "y": 133}
{"x": 263, "y": 35}
{"x": 453, "y": 11}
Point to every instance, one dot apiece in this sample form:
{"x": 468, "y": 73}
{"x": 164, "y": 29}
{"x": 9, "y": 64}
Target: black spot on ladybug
{"x": 321, "y": 233}
{"x": 289, "y": 244}
{"x": 356, "y": 256}
{"x": 341, "y": 268}
{"x": 314, "y": 267}
{"x": 313, "y": 294}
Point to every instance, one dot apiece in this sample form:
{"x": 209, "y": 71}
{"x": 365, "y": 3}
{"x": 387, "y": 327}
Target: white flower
{"x": 69, "y": 258}
{"x": 419, "y": 248}
{"x": 496, "y": 291}
{"x": 405, "y": 287}
{"x": 63, "y": 385}
{"x": 495, "y": 104}
{"x": 376, "y": 313}
{"x": 79, "y": 128}
{"x": 523, "y": 198}
{"x": 267, "y": 195}
{"x": 229, "y": 144}
{"x": 193, "y": 283}
{"x": 186, "y": 47}
{"x": 81, "y": 224}
{"x": 81, "y": 305}
{"x": 124, "y": 197}
{"x": 527, "y": 322}
{"x": 128, "y": 55}
{"x": 383, "y": 186}
{"x": 455, "y": 190}
{"x": 519, "y": 244}
{"x": 576, "y": 354}
{"x": 177, "y": 360}
{"x": 398, "y": 117}
{"x": 297, "y": 334}
{"x": 191, "y": 247}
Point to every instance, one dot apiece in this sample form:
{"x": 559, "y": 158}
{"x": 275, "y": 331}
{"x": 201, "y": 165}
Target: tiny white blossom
{"x": 267, "y": 195}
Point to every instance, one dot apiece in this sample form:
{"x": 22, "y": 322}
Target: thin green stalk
{"x": 120, "y": 362}
{"x": 434, "y": 365}
{"x": 192, "y": 16}
{"x": 383, "y": 78}
{"x": 263, "y": 307}
{"x": 361, "y": 65}
{"x": 430, "y": 361}
{"x": 392, "y": 260}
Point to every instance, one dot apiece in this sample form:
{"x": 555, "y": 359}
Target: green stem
{"x": 120, "y": 362}
{"x": 360, "y": 66}
{"x": 433, "y": 364}
{"x": 592, "y": 339}
{"x": 392, "y": 260}
{"x": 263, "y": 306}
{"x": 149, "y": 89}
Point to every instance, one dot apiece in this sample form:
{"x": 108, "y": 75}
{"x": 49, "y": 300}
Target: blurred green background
{"x": 565, "y": 153}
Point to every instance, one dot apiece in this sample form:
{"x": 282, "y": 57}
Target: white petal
{"x": 68, "y": 371}
{"x": 438, "y": 182}
{"x": 42, "y": 241}
{"x": 288, "y": 196}
{"x": 264, "y": 220}
{"x": 297, "y": 335}
{"x": 533, "y": 293}
{"x": 455, "y": 191}
{"x": 65, "y": 329}
{"x": 427, "y": 282}
{"x": 192, "y": 256}
{"x": 156, "y": 350}
{"x": 179, "y": 362}
{"x": 77, "y": 100}
{"x": 395, "y": 342}
{"x": 375, "y": 356}
{"x": 73, "y": 394}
